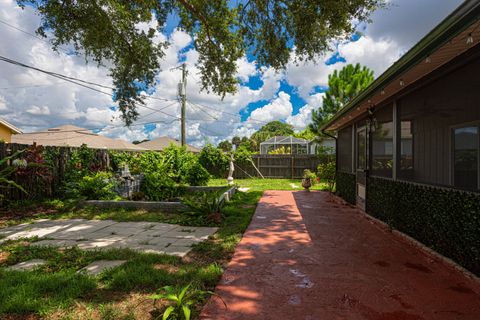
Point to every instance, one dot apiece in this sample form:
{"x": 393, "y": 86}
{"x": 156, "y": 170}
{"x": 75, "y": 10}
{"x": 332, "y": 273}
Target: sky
{"x": 34, "y": 101}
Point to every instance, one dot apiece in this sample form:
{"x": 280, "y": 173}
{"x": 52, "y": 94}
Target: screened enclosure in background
{"x": 344, "y": 151}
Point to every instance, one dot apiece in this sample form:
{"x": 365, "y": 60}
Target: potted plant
{"x": 307, "y": 179}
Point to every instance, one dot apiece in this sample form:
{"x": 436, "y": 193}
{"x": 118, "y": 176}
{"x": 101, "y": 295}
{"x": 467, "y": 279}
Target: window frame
{"x": 452, "y": 152}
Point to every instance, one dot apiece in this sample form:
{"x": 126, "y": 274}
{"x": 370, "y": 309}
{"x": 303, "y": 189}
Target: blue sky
{"x": 33, "y": 101}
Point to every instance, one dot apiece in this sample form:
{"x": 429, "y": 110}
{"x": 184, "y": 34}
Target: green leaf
{"x": 167, "y": 312}
{"x": 186, "y": 312}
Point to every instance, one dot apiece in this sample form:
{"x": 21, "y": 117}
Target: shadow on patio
{"x": 305, "y": 256}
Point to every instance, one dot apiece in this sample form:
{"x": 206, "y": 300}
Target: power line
{"x": 229, "y": 113}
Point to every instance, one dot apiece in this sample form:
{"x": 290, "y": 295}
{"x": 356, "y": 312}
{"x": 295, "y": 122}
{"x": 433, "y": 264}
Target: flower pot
{"x": 306, "y": 183}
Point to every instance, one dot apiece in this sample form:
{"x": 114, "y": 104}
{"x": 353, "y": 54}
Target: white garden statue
{"x": 230, "y": 171}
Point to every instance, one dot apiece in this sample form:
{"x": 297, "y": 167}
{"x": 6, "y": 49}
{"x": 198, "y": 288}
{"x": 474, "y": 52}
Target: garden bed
{"x": 165, "y": 206}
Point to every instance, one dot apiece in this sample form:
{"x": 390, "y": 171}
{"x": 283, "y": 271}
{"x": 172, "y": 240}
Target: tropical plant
{"x": 7, "y": 171}
{"x": 180, "y": 301}
{"x": 205, "y": 206}
{"x": 343, "y": 86}
{"x": 107, "y": 33}
{"x": 327, "y": 172}
{"x": 308, "y": 174}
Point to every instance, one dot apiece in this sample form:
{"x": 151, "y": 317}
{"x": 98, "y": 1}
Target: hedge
{"x": 445, "y": 220}
{"x": 346, "y": 186}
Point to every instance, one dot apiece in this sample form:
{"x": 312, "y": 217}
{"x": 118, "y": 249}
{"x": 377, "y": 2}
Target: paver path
{"x": 307, "y": 257}
{"x": 152, "y": 237}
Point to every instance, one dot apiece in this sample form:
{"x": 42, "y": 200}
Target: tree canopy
{"x": 223, "y": 31}
{"x": 343, "y": 86}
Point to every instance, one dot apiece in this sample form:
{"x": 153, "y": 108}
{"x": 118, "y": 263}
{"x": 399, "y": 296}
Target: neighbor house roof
{"x": 161, "y": 143}
{"x": 73, "y": 136}
{"x": 453, "y": 36}
{"x": 10, "y": 126}
{"x": 285, "y": 140}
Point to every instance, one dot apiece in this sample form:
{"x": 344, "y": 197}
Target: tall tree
{"x": 343, "y": 86}
{"x": 225, "y": 145}
{"x": 222, "y": 30}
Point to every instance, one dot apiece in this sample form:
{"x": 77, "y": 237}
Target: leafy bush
{"x": 157, "y": 186}
{"x": 214, "y": 160}
{"x": 95, "y": 186}
{"x": 446, "y": 220}
{"x": 326, "y": 171}
{"x": 183, "y": 167}
{"x": 346, "y": 186}
{"x": 195, "y": 174}
{"x": 119, "y": 159}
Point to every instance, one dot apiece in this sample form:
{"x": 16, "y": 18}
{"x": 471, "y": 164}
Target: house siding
{"x": 5, "y": 133}
{"x": 434, "y": 109}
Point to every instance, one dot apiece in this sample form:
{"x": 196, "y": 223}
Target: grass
{"x": 57, "y": 291}
{"x": 268, "y": 184}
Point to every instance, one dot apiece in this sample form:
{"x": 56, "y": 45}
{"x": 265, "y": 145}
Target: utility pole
{"x": 183, "y": 94}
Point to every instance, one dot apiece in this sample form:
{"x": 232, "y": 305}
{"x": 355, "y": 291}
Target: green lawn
{"x": 268, "y": 184}
{"x": 57, "y": 291}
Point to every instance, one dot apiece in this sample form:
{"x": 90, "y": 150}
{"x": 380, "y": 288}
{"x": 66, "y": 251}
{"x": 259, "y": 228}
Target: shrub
{"x": 326, "y": 171}
{"x": 214, "y": 160}
{"x": 195, "y": 174}
{"x": 95, "y": 186}
{"x": 446, "y": 220}
{"x": 205, "y": 207}
{"x": 346, "y": 186}
{"x": 157, "y": 186}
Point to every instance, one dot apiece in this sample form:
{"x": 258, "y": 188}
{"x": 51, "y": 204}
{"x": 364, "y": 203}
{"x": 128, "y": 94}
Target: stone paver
{"x": 309, "y": 257}
{"x": 27, "y": 265}
{"x": 97, "y": 267}
{"x": 107, "y": 234}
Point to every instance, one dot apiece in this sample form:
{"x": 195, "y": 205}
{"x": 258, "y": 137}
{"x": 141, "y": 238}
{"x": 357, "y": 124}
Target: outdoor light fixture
{"x": 402, "y": 83}
{"x": 469, "y": 39}
{"x": 382, "y": 92}
{"x": 428, "y": 60}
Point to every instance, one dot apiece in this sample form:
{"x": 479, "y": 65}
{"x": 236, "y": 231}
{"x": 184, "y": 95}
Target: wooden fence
{"x": 47, "y": 186}
{"x": 282, "y": 166}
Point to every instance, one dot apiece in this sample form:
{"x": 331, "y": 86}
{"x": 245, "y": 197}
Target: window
{"x": 466, "y": 145}
{"x": 362, "y": 148}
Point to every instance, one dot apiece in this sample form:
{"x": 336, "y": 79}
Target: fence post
{"x": 292, "y": 163}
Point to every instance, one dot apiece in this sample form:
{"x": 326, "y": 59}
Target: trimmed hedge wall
{"x": 346, "y": 186}
{"x": 445, "y": 220}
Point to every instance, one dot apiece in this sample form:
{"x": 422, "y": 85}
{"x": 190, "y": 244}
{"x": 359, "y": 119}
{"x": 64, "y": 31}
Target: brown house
{"x": 408, "y": 147}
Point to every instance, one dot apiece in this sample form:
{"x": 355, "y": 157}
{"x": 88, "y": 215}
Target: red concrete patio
{"x": 305, "y": 256}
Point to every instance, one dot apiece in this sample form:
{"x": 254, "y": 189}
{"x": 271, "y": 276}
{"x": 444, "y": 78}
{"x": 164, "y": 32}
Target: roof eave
{"x": 453, "y": 24}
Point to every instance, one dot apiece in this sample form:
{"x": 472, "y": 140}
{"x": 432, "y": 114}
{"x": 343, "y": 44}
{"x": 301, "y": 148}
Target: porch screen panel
{"x": 382, "y": 143}
{"x": 344, "y": 151}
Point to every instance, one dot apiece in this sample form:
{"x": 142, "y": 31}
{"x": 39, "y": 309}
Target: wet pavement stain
{"x": 462, "y": 289}
{"x": 397, "y": 298}
{"x": 417, "y": 266}
{"x": 382, "y": 263}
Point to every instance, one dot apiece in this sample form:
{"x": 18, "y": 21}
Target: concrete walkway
{"x": 305, "y": 256}
{"x": 150, "y": 237}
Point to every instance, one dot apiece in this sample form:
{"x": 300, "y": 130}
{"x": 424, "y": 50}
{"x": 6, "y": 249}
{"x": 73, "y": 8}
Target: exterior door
{"x": 361, "y": 165}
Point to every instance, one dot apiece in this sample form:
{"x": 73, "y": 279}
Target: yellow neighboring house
{"x": 6, "y": 131}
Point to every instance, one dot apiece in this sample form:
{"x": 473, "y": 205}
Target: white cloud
{"x": 36, "y": 101}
